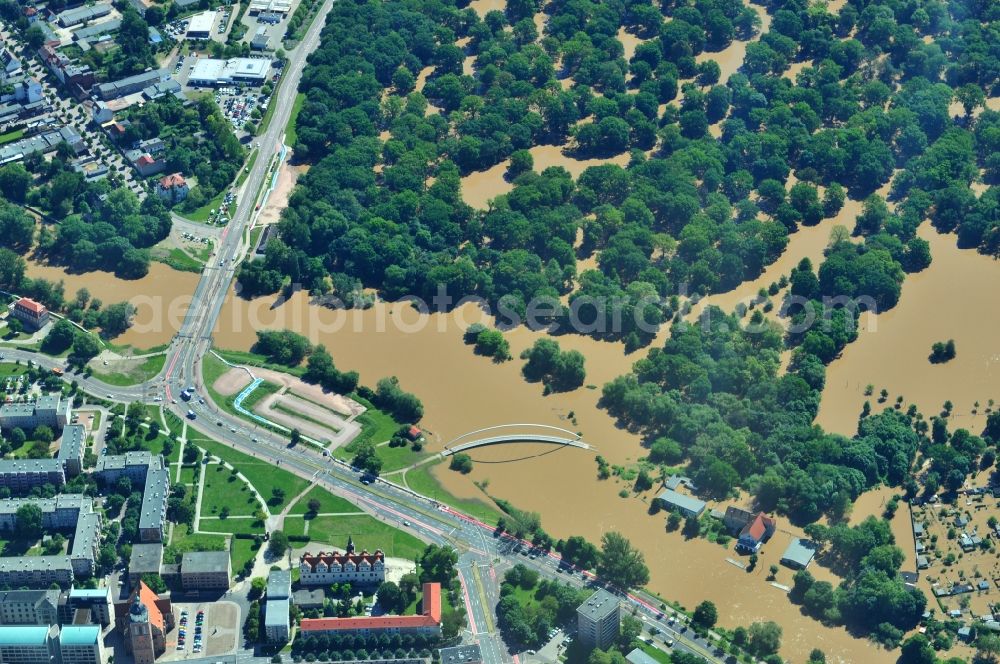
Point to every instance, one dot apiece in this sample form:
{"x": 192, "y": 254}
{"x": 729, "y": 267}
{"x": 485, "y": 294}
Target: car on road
{"x": 406, "y": 523}
{"x": 669, "y": 643}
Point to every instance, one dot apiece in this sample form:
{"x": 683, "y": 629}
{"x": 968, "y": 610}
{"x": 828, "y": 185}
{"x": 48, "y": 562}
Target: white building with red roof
{"x": 329, "y": 567}
{"x": 172, "y": 188}
{"x": 31, "y": 313}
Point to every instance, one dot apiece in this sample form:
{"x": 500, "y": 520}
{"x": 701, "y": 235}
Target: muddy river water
{"x": 160, "y": 298}
{"x": 462, "y": 392}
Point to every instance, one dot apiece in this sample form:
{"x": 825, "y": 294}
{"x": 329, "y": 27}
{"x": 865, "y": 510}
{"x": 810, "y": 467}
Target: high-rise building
{"x": 598, "y": 620}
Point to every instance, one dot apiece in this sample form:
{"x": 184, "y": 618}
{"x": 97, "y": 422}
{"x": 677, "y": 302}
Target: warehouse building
{"x": 210, "y": 73}
{"x": 201, "y": 25}
{"x": 130, "y": 85}
{"x": 71, "y": 17}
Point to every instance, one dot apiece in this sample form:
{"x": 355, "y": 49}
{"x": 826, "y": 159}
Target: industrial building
{"x": 260, "y": 39}
{"x": 598, "y": 620}
{"x": 210, "y": 73}
{"x": 201, "y": 25}
{"x": 130, "y": 85}
{"x": 44, "y": 143}
{"x": 270, "y": 6}
{"x": 71, "y": 17}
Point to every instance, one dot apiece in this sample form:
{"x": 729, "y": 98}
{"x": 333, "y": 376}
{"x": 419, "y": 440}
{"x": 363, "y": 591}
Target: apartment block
{"x": 598, "y": 620}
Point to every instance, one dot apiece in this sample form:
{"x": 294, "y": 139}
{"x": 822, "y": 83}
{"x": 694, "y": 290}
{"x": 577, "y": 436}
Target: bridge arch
{"x": 560, "y": 436}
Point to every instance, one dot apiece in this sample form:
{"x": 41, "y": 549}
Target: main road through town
{"x": 483, "y": 556}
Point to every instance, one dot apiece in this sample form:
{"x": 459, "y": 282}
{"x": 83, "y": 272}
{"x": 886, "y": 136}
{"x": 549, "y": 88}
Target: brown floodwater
{"x": 480, "y": 187}
{"x": 462, "y": 392}
{"x": 954, "y": 298}
{"x": 629, "y": 42}
{"x": 161, "y": 298}
{"x": 730, "y": 59}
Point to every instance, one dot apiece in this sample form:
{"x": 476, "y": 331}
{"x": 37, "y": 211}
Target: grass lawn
{"x": 422, "y": 481}
{"x": 188, "y": 474}
{"x": 328, "y": 502}
{"x": 139, "y": 374}
{"x": 368, "y": 533}
{"x": 174, "y": 423}
{"x": 378, "y": 427}
{"x": 224, "y": 489}
{"x": 246, "y": 526}
{"x": 263, "y": 390}
{"x": 295, "y": 525}
{"x": 262, "y": 474}
{"x": 240, "y": 551}
{"x": 12, "y": 136}
{"x": 157, "y": 445}
{"x": 9, "y": 369}
{"x": 257, "y": 360}
{"x": 180, "y": 260}
{"x": 184, "y": 540}
{"x": 290, "y": 134}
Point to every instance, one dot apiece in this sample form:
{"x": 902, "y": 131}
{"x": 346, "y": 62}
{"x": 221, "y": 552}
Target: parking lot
{"x": 213, "y": 633}
{"x": 238, "y": 105}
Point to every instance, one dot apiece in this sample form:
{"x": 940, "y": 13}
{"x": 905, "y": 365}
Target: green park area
{"x": 327, "y": 503}
{"x": 366, "y": 531}
{"x": 277, "y": 487}
{"x": 225, "y": 494}
{"x": 135, "y": 372}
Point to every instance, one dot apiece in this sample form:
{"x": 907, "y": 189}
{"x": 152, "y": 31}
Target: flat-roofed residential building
{"x": 36, "y": 572}
{"x": 205, "y": 570}
{"x": 598, "y": 620}
{"x": 29, "y": 607}
{"x": 145, "y": 559}
{"x": 96, "y": 602}
{"x": 153, "y": 515}
{"x": 24, "y": 644}
{"x": 81, "y": 644}
{"x": 71, "y": 448}
{"x": 64, "y": 512}
{"x": 23, "y": 475}
{"x": 133, "y": 465}
{"x": 33, "y": 314}
{"x": 50, "y": 410}
{"x": 277, "y": 626}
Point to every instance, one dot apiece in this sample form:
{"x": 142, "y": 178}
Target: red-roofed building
{"x": 147, "y": 165}
{"x": 32, "y": 314}
{"x": 757, "y": 531}
{"x": 427, "y": 622}
{"x": 414, "y": 433}
{"x": 145, "y": 620}
{"x": 329, "y": 567}
{"x": 172, "y": 188}
{"x": 31, "y": 14}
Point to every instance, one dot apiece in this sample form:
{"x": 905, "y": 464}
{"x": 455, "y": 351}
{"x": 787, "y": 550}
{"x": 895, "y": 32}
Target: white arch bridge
{"x": 561, "y": 437}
